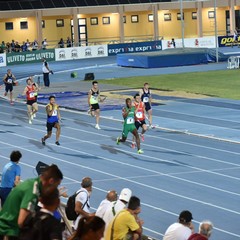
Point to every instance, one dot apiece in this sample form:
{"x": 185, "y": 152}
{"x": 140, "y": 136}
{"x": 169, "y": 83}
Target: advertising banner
{"x": 204, "y": 42}
{"x": 227, "y": 41}
{"x": 3, "y": 60}
{"x": 30, "y": 57}
{"x": 81, "y": 52}
{"x": 151, "y": 46}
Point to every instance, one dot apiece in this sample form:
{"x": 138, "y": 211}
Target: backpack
{"x": 32, "y": 227}
{"x": 70, "y": 207}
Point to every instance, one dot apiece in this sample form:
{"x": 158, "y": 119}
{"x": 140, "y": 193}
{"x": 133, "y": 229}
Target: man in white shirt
{"x": 111, "y": 196}
{"x": 46, "y": 70}
{"x": 82, "y": 204}
{"x": 182, "y": 229}
{"x": 117, "y": 206}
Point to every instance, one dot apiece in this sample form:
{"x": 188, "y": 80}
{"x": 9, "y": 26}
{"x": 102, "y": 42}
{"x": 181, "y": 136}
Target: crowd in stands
{"x": 29, "y": 211}
{"x": 15, "y": 46}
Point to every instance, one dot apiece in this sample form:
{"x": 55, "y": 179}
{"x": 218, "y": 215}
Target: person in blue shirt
{"x": 10, "y": 175}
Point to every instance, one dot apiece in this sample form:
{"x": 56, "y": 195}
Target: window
{"x": 194, "y": 15}
{"x": 106, "y": 20}
{"x": 9, "y": 25}
{"x": 167, "y": 17}
{"x": 179, "y": 16}
{"x": 43, "y": 23}
{"x": 134, "y": 18}
{"x": 60, "y": 23}
{"x": 211, "y": 14}
{"x": 24, "y": 25}
{"x": 94, "y": 20}
{"x": 150, "y": 17}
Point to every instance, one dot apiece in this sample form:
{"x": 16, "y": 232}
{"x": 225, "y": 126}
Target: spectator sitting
{"x": 69, "y": 42}
{"x": 205, "y": 231}
{"x": 89, "y": 228}
{"x": 10, "y": 175}
{"x": 27, "y": 45}
{"x": 43, "y": 225}
{"x": 111, "y": 196}
{"x": 12, "y": 45}
{"x": 126, "y": 224}
{"x": 44, "y": 44}
{"x": 17, "y": 47}
{"x": 61, "y": 43}
{"x": 182, "y": 229}
{"x": 24, "y": 47}
{"x": 115, "y": 207}
{"x": 35, "y": 45}
{"x": 2, "y": 47}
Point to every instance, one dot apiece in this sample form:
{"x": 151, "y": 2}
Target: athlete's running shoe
{"x": 57, "y": 143}
{"x": 97, "y": 127}
{"x": 43, "y": 142}
{"x": 133, "y": 145}
{"x": 118, "y": 141}
{"x": 152, "y": 126}
{"x": 140, "y": 151}
{"x": 30, "y": 121}
{"x": 34, "y": 115}
{"x": 11, "y": 102}
{"x": 142, "y": 137}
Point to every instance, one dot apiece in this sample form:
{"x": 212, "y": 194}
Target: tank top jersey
{"x": 130, "y": 117}
{"x": 54, "y": 117}
{"x": 139, "y": 116}
{"x": 94, "y": 97}
{"x": 31, "y": 95}
{"x": 145, "y": 96}
{"x": 9, "y": 79}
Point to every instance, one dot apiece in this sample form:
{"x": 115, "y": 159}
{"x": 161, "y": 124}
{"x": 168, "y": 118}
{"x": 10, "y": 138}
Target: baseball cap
{"x": 125, "y": 194}
{"x": 185, "y": 216}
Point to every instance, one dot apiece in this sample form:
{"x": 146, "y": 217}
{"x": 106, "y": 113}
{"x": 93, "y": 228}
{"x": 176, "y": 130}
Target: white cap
{"x": 125, "y": 194}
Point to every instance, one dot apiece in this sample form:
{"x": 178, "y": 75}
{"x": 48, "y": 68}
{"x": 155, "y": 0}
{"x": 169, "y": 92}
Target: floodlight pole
{"x": 215, "y": 24}
{"x": 182, "y": 22}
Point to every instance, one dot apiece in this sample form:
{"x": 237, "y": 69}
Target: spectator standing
{"x": 173, "y": 43}
{"x": 10, "y": 175}
{"x": 61, "y": 43}
{"x": 82, "y": 203}
{"x": 126, "y": 221}
{"x": 9, "y": 80}
{"x": 23, "y": 199}
{"x": 69, "y": 42}
{"x": 17, "y": 47}
{"x": 24, "y": 47}
{"x": 182, "y": 229}
{"x": 44, "y": 44}
{"x": 27, "y": 45}
{"x": 46, "y": 70}
{"x": 111, "y": 196}
{"x": 89, "y": 228}
{"x": 12, "y": 45}
{"x": 53, "y": 118}
{"x": 115, "y": 207}
{"x": 35, "y": 45}
{"x": 205, "y": 231}
{"x": 2, "y": 47}
{"x": 43, "y": 225}
{"x": 235, "y": 38}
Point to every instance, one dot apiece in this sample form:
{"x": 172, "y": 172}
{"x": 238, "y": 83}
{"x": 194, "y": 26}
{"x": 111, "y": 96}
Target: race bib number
{"x": 9, "y": 80}
{"x": 146, "y": 99}
{"x": 130, "y": 120}
{"x": 32, "y": 94}
{"x": 54, "y": 112}
{"x": 139, "y": 114}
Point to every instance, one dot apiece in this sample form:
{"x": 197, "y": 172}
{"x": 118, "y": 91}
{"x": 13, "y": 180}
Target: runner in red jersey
{"x": 139, "y": 116}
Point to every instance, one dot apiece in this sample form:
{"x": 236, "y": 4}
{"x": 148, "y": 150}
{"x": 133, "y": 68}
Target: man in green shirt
{"x": 128, "y": 114}
{"x": 23, "y": 199}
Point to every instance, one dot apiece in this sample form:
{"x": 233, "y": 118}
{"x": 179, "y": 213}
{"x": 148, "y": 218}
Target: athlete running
{"x": 31, "y": 94}
{"x": 53, "y": 118}
{"x": 146, "y": 98}
{"x": 139, "y": 117}
{"x": 93, "y": 98}
{"x": 9, "y": 80}
{"x": 128, "y": 114}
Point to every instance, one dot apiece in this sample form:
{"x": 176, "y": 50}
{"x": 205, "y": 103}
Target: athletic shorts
{"x": 128, "y": 128}
{"x": 9, "y": 87}
{"x": 147, "y": 106}
{"x": 139, "y": 124}
{"x": 31, "y": 102}
{"x": 95, "y": 106}
{"x": 50, "y": 126}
